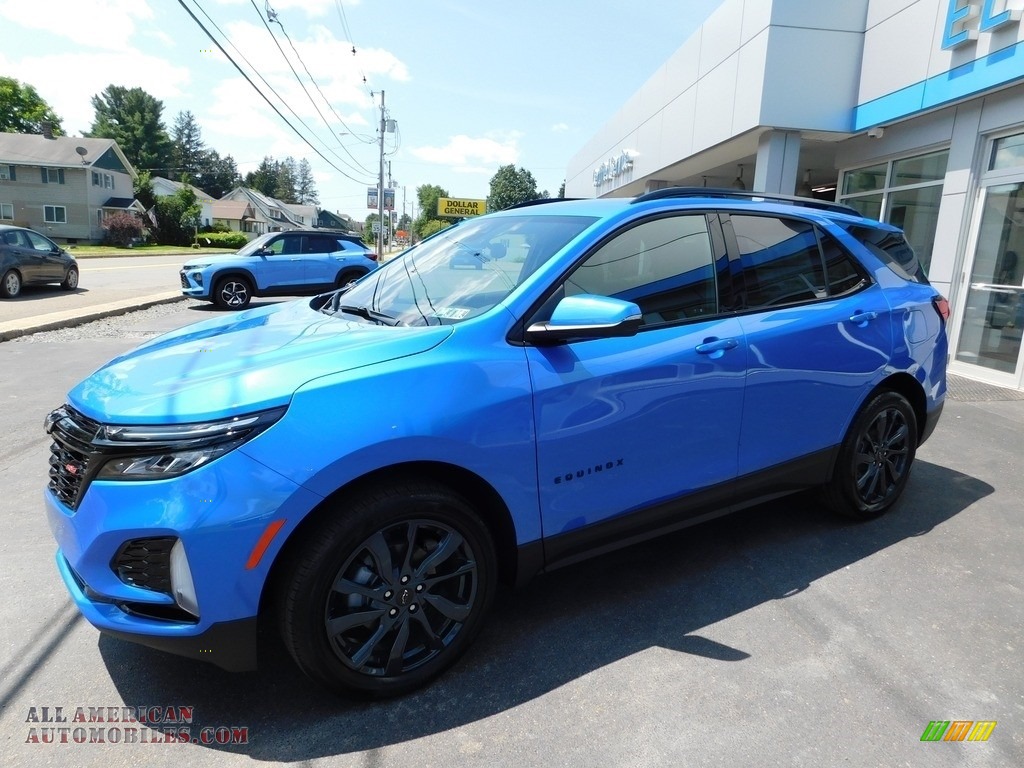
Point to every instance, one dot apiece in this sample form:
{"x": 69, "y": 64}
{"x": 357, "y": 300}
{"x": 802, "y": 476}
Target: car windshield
{"x": 255, "y": 245}
{"x": 458, "y": 273}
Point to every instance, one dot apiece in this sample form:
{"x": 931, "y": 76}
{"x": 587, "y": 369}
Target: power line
{"x": 255, "y": 88}
{"x": 274, "y": 17}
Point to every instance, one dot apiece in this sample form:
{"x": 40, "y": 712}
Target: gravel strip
{"x": 131, "y": 325}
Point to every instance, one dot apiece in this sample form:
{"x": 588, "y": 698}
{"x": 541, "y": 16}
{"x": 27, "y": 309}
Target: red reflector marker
{"x": 942, "y": 307}
{"x": 261, "y": 546}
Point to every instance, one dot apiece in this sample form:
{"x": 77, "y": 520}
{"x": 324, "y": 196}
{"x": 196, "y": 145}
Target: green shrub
{"x": 222, "y": 239}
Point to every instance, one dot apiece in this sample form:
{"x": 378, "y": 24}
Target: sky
{"x": 470, "y": 86}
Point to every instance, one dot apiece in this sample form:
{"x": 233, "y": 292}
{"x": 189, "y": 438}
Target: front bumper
{"x": 218, "y": 512}
{"x": 194, "y": 284}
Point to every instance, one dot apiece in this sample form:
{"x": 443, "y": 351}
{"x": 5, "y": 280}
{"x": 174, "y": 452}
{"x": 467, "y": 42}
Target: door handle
{"x": 863, "y": 318}
{"x": 711, "y": 346}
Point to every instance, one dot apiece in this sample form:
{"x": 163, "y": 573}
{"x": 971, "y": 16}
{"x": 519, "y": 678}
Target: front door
{"x": 993, "y": 312}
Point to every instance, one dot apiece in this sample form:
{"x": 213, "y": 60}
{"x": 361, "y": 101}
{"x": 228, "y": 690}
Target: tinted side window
{"x": 320, "y": 244}
{"x": 780, "y": 261}
{"x": 893, "y": 250}
{"x": 663, "y": 265}
{"x": 843, "y": 272}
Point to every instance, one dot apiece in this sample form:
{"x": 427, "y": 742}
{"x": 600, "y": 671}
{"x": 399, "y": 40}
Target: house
{"x": 165, "y": 188}
{"x": 63, "y": 186}
{"x": 271, "y": 214}
{"x": 340, "y": 221}
{"x": 237, "y": 215}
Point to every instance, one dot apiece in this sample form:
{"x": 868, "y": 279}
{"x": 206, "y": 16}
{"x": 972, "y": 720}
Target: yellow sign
{"x": 446, "y": 206}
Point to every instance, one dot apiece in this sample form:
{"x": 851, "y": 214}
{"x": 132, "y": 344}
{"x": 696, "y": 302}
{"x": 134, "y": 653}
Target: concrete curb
{"x": 12, "y": 329}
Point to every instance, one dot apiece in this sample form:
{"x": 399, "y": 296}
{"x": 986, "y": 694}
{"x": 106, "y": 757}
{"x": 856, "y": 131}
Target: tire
{"x": 232, "y": 293}
{"x": 70, "y": 280}
{"x": 347, "y": 276}
{"x": 363, "y": 612}
{"x": 875, "y": 458}
{"x": 10, "y": 286}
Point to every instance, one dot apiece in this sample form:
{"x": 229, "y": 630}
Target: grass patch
{"x": 107, "y": 251}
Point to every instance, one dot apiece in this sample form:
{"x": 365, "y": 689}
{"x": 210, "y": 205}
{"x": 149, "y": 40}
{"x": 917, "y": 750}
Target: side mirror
{"x": 587, "y": 316}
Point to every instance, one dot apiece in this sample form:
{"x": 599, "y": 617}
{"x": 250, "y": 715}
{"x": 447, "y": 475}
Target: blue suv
{"x": 292, "y": 263}
{"x": 359, "y": 471}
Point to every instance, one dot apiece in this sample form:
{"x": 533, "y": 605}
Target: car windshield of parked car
{"x": 460, "y": 272}
{"x": 255, "y": 245}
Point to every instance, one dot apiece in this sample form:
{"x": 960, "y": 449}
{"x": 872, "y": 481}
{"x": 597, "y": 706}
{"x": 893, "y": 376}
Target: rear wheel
{"x": 10, "y": 286}
{"x": 347, "y": 276}
{"x": 875, "y": 458}
{"x": 389, "y": 593}
{"x": 232, "y": 293}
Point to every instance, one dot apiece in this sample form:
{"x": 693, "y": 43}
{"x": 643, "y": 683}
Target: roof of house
{"x": 121, "y": 202}
{"x": 266, "y": 204}
{"x": 58, "y": 152}
{"x": 236, "y": 210}
{"x": 176, "y": 185}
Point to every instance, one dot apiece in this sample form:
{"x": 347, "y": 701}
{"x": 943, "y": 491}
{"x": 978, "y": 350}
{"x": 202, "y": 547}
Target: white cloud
{"x": 311, "y": 7}
{"x": 467, "y": 154}
{"x": 559, "y": 128}
{"x": 92, "y": 23}
{"x": 68, "y": 81}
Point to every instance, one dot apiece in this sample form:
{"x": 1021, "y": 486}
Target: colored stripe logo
{"x": 958, "y": 730}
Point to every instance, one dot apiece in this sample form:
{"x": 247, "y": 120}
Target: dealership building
{"x": 910, "y": 111}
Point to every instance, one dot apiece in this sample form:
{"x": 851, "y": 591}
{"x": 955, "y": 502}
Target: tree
{"x": 177, "y": 217}
{"x": 144, "y": 189}
{"x": 188, "y": 153}
{"x": 369, "y": 236}
{"x": 561, "y": 190}
{"x": 132, "y": 118}
{"x": 511, "y": 186}
{"x": 427, "y": 196}
{"x": 122, "y": 228}
{"x": 219, "y": 175}
{"x": 264, "y": 178}
{"x": 22, "y": 110}
{"x": 284, "y": 189}
{"x": 305, "y": 184}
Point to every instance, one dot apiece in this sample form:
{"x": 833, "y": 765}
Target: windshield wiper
{"x": 369, "y": 314}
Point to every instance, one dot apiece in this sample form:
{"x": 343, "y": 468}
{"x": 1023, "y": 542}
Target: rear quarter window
{"x": 892, "y": 249}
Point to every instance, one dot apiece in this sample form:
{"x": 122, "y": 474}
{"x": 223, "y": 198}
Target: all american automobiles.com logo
{"x": 126, "y": 725}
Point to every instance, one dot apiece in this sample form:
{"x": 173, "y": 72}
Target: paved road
{"x": 775, "y": 637}
{"x": 103, "y": 280}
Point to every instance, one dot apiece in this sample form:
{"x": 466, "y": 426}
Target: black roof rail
{"x": 739, "y": 194}
{"x": 540, "y": 201}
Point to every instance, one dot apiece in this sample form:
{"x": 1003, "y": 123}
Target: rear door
{"x": 626, "y": 423}
{"x": 321, "y": 260}
{"x": 818, "y": 335}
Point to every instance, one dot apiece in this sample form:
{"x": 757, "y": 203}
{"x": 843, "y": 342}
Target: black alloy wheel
{"x": 389, "y": 594}
{"x": 875, "y": 459}
{"x": 347, "y": 276}
{"x": 232, "y": 293}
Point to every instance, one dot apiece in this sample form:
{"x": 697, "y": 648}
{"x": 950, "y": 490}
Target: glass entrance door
{"x": 993, "y": 315}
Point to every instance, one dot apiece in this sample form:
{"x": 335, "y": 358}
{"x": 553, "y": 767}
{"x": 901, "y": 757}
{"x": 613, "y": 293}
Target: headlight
{"x": 151, "y": 452}
{"x": 189, "y": 267}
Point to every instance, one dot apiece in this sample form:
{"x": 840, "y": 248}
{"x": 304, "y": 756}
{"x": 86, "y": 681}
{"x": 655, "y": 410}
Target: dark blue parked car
{"x": 360, "y": 471}
{"x": 294, "y": 263}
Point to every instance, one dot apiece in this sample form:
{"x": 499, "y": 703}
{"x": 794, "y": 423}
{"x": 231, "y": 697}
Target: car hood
{"x": 213, "y": 258}
{"x": 240, "y": 363}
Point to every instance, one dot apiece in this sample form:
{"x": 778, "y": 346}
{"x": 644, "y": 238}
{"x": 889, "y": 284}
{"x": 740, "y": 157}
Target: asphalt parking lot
{"x": 778, "y": 636}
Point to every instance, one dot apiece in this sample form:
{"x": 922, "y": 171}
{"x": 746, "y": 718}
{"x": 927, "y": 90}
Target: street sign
{"x": 447, "y": 206}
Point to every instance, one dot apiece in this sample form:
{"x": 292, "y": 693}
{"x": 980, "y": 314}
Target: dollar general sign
{"x": 446, "y": 206}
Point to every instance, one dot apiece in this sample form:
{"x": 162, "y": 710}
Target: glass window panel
{"x": 780, "y": 260}
{"x": 915, "y": 170}
{"x": 869, "y": 206}
{"x": 664, "y": 266}
{"x": 1007, "y": 152}
{"x": 843, "y": 274}
{"x": 864, "y": 179}
{"x": 916, "y": 212}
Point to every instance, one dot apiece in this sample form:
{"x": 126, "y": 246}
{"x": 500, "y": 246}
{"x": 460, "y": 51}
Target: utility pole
{"x": 380, "y": 185}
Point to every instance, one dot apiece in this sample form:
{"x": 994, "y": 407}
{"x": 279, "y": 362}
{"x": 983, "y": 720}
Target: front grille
{"x": 146, "y": 563}
{"x": 67, "y": 473}
{"x": 184, "y": 280}
{"x": 71, "y": 454}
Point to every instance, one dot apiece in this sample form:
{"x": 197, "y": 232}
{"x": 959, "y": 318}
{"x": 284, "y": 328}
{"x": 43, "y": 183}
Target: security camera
{"x": 877, "y": 132}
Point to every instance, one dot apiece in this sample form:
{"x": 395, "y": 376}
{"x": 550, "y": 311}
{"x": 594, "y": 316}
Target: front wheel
{"x": 232, "y": 293}
{"x": 70, "y": 279}
{"x": 875, "y": 458}
{"x": 386, "y": 595}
